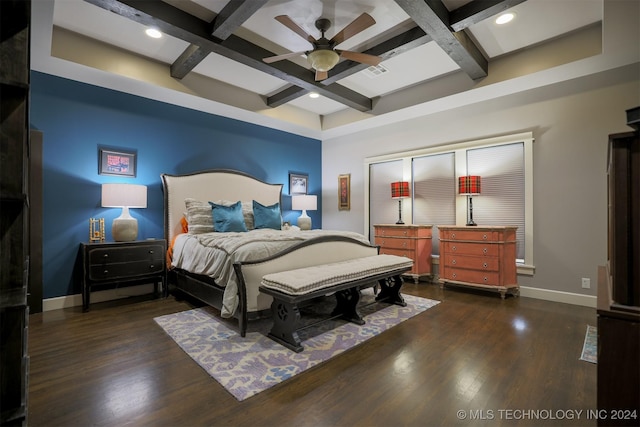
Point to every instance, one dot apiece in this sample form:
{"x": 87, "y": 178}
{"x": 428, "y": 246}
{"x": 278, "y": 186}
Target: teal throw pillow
{"x": 228, "y": 218}
{"x": 267, "y": 216}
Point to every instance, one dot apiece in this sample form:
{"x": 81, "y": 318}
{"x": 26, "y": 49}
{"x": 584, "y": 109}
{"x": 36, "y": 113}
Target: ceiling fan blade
{"x": 321, "y": 75}
{"x": 288, "y": 22}
{"x": 276, "y": 58}
{"x": 363, "y": 58}
{"x": 359, "y": 24}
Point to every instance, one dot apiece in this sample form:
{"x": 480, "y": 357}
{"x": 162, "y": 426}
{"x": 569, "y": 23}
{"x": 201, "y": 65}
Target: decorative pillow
{"x": 198, "y": 216}
{"x": 267, "y": 216}
{"x": 184, "y": 224}
{"x": 228, "y": 218}
{"x": 247, "y": 211}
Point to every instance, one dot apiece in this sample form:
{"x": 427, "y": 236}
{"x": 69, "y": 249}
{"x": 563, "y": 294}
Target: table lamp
{"x": 400, "y": 190}
{"x": 124, "y": 228}
{"x": 469, "y": 185}
{"x": 304, "y": 203}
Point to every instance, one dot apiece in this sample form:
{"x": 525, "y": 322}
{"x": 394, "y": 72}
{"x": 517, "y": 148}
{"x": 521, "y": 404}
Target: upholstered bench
{"x": 344, "y": 279}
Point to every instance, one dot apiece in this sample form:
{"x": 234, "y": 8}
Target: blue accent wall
{"x": 77, "y": 118}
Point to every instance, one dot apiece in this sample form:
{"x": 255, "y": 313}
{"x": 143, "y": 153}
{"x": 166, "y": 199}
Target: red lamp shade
{"x": 469, "y": 184}
{"x": 400, "y": 190}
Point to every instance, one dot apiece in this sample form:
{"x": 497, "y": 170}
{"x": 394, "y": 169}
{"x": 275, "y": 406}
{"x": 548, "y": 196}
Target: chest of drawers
{"x": 122, "y": 262}
{"x": 482, "y": 257}
{"x": 411, "y": 241}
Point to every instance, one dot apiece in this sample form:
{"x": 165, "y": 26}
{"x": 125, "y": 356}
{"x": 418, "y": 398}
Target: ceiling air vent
{"x": 375, "y": 71}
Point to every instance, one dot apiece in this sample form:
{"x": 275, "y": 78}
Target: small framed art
{"x": 344, "y": 192}
{"x": 120, "y": 162}
{"x": 298, "y": 183}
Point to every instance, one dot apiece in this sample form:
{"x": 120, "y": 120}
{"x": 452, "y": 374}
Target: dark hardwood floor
{"x": 472, "y": 360}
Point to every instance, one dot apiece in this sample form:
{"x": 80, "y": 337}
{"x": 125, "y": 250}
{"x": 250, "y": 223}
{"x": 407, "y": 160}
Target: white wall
{"x": 570, "y": 121}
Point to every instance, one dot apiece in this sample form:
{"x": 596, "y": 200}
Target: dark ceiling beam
{"x": 232, "y": 16}
{"x": 179, "y": 24}
{"x": 394, "y": 46}
{"x": 433, "y": 17}
{"x": 476, "y": 11}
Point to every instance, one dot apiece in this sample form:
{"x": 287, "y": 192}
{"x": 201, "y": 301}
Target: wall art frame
{"x": 344, "y": 192}
{"x": 298, "y": 183}
{"x": 118, "y": 162}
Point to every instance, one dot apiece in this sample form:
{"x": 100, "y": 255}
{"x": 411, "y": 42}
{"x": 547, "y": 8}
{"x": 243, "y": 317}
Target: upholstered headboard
{"x": 212, "y": 185}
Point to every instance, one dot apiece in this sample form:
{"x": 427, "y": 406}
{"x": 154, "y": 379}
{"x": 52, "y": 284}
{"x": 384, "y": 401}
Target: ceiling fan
{"x": 324, "y": 56}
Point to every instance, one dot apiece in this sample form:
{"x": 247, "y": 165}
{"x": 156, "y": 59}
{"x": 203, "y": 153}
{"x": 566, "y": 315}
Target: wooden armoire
{"x": 619, "y": 285}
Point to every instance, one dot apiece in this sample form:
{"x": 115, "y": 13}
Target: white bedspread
{"x": 213, "y": 254}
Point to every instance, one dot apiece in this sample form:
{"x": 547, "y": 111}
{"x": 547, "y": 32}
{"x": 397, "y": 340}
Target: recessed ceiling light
{"x": 152, "y": 32}
{"x": 505, "y": 17}
{"x": 313, "y": 95}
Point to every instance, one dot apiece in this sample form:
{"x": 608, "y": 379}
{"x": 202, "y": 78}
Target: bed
{"x": 224, "y": 269}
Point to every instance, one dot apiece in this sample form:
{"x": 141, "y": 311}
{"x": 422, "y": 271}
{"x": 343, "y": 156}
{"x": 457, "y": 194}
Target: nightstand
{"x": 128, "y": 263}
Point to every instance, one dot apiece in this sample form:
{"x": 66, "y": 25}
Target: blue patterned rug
{"x": 247, "y": 366}
{"x": 590, "y": 346}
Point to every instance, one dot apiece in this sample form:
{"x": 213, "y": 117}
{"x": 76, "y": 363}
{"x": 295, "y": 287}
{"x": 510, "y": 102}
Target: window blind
{"x": 502, "y": 201}
{"x": 434, "y": 193}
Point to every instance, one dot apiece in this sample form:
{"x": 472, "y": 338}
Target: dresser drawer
{"x": 473, "y": 263}
{"x": 396, "y": 243}
{"x": 453, "y": 248}
{"x": 398, "y": 252}
{"x": 395, "y": 232}
{"x": 471, "y": 235}
{"x": 490, "y": 278}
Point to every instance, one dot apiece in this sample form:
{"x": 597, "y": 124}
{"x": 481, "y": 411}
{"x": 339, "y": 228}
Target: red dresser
{"x": 411, "y": 241}
{"x": 480, "y": 256}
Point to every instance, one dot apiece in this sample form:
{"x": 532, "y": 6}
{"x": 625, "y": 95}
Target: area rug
{"x": 590, "y": 346}
{"x": 247, "y": 366}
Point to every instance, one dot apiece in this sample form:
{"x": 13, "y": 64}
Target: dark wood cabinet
{"x": 15, "y": 18}
{"x": 619, "y": 285}
{"x": 128, "y": 263}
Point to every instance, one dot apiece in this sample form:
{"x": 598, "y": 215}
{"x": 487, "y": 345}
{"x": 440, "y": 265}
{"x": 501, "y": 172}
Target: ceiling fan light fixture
{"x": 323, "y": 59}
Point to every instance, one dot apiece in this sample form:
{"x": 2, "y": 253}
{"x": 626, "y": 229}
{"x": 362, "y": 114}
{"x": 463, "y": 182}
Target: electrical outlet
{"x": 586, "y": 283}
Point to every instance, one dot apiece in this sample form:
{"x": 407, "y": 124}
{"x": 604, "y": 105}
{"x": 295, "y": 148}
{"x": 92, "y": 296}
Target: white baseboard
{"x": 97, "y": 296}
{"x": 559, "y": 296}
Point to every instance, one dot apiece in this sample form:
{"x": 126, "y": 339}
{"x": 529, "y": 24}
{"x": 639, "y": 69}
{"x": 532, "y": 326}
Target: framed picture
{"x": 298, "y": 183}
{"x": 118, "y": 162}
{"x": 344, "y": 192}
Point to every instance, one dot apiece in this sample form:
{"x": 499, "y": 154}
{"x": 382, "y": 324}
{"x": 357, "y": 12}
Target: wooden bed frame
{"x": 233, "y": 185}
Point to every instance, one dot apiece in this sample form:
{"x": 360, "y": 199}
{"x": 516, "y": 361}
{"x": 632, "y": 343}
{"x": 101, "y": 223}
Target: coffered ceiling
{"x": 211, "y": 51}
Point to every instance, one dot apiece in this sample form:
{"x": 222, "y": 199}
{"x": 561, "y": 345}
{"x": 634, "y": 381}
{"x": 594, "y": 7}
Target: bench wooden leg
{"x": 390, "y": 291}
{"x": 286, "y": 318}
{"x": 346, "y": 306}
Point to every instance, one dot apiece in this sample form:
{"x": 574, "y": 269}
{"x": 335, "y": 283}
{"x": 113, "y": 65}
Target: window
{"x": 505, "y": 165}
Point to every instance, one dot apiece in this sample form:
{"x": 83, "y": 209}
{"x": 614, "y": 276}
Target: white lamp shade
{"x": 124, "y": 195}
{"x": 305, "y": 202}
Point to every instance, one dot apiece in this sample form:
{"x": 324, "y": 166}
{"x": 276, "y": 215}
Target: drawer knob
{"x": 486, "y": 279}
{"x": 404, "y": 232}
{"x": 484, "y": 265}
{"x": 453, "y": 235}
{"x": 453, "y": 261}
{"x": 404, "y": 244}
{"x": 484, "y": 250}
{"x": 151, "y": 266}
{"x": 151, "y": 251}
{"x": 453, "y": 248}
{"x": 484, "y": 237}
{"x": 105, "y": 256}
{"x": 105, "y": 272}
{"x": 454, "y": 275}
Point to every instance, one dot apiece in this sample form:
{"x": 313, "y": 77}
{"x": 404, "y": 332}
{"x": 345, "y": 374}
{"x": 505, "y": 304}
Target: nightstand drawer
{"x": 115, "y": 271}
{"x": 452, "y": 248}
{"x": 124, "y": 254}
